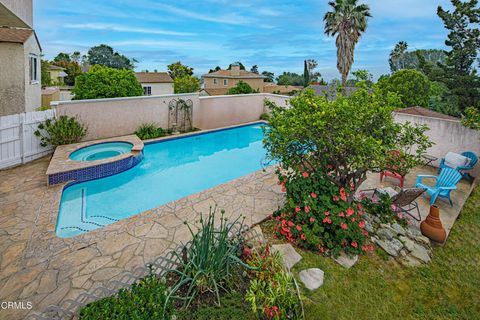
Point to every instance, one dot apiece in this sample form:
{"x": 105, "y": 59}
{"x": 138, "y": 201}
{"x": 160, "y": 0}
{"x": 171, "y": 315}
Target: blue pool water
{"x": 101, "y": 151}
{"x": 170, "y": 170}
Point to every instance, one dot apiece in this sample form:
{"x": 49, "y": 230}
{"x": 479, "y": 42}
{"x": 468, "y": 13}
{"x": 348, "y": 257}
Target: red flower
{"x": 313, "y": 195}
{"x": 359, "y": 206}
{"x": 350, "y": 211}
{"x": 291, "y": 224}
{"x": 354, "y": 244}
{"x": 335, "y": 198}
{"x": 299, "y": 228}
{"x": 307, "y": 209}
{"x": 297, "y": 209}
{"x": 305, "y": 174}
{"x": 284, "y": 190}
{"x": 329, "y": 166}
{"x": 353, "y": 219}
{"x": 343, "y": 226}
{"x": 327, "y": 220}
{"x": 343, "y": 194}
{"x": 303, "y": 237}
{"x": 362, "y": 224}
{"x": 341, "y": 214}
{"x": 365, "y": 233}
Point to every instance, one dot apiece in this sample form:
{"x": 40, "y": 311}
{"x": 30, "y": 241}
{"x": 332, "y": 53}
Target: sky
{"x": 275, "y": 35}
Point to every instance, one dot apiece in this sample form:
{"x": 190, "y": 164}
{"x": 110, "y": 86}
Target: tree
{"x": 177, "y": 69}
{"x": 361, "y": 75}
{"x": 45, "y": 74}
{"x": 186, "y": 84}
{"x": 419, "y": 60}
{"x": 214, "y": 70}
{"x": 104, "y": 82}
{"x": 347, "y": 21}
{"x": 396, "y": 56}
{"x": 290, "y": 78}
{"x": 62, "y": 57}
{"x": 412, "y": 86}
{"x": 76, "y": 56}
{"x": 238, "y": 63}
{"x": 105, "y": 56}
{"x": 269, "y": 76}
{"x": 241, "y": 88}
{"x": 72, "y": 69}
{"x": 254, "y": 69}
{"x": 306, "y": 74}
{"x": 460, "y": 74}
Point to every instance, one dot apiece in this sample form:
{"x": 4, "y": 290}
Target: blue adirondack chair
{"x": 446, "y": 182}
{"x": 462, "y": 169}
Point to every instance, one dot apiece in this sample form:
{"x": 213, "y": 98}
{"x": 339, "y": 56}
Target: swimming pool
{"x": 170, "y": 170}
{"x": 101, "y": 151}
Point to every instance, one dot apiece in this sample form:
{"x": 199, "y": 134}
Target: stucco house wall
{"x": 12, "y": 84}
{"x": 23, "y": 9}
{"x": 256, "y": 84}
{"x": 33, "y": 89}
{"x": 159, "y": 88}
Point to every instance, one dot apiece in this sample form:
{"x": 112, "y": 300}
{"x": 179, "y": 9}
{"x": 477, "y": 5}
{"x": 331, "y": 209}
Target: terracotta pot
{"x": 432, "y": 227}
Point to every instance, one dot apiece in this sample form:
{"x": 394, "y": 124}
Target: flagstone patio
{"x": 39, "y": 267}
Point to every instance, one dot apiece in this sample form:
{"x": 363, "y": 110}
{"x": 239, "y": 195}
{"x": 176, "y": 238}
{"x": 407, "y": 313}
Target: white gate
{"x": 18, "y": 143}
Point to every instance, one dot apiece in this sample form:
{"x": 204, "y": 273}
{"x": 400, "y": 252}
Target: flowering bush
{"x": 318, "y": 216}
{"x": 381, "y": 206}
{"x": 272, "y": 293}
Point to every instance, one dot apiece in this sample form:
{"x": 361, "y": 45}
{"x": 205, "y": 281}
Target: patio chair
{"x": 403, "y": 200}
{"x": 462, "y": 169}
{"x": 445, "y": 183}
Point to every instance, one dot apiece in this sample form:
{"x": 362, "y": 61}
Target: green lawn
{"x": 446, "y": 288}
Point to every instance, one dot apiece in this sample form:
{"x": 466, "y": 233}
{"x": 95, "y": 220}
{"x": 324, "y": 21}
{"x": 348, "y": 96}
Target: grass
{"x": 446, "y": 288}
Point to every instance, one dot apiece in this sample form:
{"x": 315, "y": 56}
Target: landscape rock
{"x": 423, "y": 240}
{"x": 420, "y": 253}
{"x": 368, "y": 226}
{"x": 398, "y": 229}
{"x": 346, "y": 261}
{"x": 408, "y": 243}
{"x": 391, "y": 247}
{"x": 409, "y": 261}
{"x": 413, "y": 232}
{"x": 312, "y": 278}
{"x": 385, "y": 233}
{"x": 289, "y": 255}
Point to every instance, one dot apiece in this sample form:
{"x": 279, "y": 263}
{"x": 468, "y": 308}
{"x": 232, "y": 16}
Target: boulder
{"x": 346, "y": 261}
{"x": 312, "y": 278}
{"x": 398, "y": 229}
{"x": 407, "y": 243}
{"x": 385, "y": 233}
{"x": 289, "y": 255}
{"x": 420, "y": 253}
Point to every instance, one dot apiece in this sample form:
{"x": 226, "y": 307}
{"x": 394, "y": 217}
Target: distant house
{"x": 20, "y": 83}
{"x": 57, "y": 74}
{"x": 155, "y": 83}
{"x": 270, "y": 87}
{"x": 218, "y": 82}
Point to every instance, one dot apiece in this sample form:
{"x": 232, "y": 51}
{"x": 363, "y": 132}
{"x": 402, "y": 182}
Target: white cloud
{"x": 120, "y": 28}
{"x": 405, "y": 9}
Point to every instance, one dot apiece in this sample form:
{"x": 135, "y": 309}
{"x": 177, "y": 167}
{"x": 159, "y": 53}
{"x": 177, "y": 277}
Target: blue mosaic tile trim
{"x": 96, "y": 172}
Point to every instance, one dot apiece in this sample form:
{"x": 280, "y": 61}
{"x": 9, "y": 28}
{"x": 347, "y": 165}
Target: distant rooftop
{"x": 153, "y": 77}
{"x": 231, "y": 74}
{"x": 419, "y": 111}
{"x": 54, "y": 67}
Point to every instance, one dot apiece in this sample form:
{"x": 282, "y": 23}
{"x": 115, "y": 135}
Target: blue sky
{"x": 275, "y": 35}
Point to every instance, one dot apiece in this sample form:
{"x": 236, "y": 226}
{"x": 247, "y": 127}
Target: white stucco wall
{"x": 448, "y": 135}
{"x": 22, "y": 9}
{"x": 159, "y": 88}
{"x": 12, "y": 83}
{"x": 33, "y": 90}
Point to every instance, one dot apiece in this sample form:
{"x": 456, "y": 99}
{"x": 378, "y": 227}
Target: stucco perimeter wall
{"x": 106, "y": 118}
{"x": 448, "y": 135}
{"x": 220, "y": 111}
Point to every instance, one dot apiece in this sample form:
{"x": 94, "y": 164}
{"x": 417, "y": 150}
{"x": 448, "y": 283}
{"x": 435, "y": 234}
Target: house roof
{"x": 54, "y": 67}
{"x": 153, "y": 77}
{"x": 228, "y": 74}
{"x": 14, "y": 35}
{"x": 419, "y": 111}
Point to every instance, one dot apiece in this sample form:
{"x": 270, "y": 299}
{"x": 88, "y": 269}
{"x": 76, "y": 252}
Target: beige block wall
{"x": 448, "y": 135}
{"x": 12, "y": 83}
{"x": 33, "y": 90}
{"x": 106, "y": 118}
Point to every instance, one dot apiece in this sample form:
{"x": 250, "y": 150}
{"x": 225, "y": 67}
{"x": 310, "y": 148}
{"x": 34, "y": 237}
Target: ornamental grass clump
{"x": 208, "y": 264}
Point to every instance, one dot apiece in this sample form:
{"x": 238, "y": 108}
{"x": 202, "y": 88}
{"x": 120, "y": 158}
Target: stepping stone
{"x": 289, "y": 255}
{"x": 346, "y": 261}
{"x": 312, "y": 278}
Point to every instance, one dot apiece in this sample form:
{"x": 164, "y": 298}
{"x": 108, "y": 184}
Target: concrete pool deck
{"x": 39, "y": 267}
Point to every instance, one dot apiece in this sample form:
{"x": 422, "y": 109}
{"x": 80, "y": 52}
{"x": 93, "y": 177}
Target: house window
{"x": 225, "y": 82}
{"x": 214, "y": 81}
{"x": 147, "y": 91}
{"x": 33, "y": 68}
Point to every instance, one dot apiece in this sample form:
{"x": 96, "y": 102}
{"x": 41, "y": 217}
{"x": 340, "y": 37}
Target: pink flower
{"x": 299, "y": 228}
{"x": 354, "y": 244}
{"x": 329, "y": 166}
{"x": 359, "y": 206}
{"x": 327, "y": 213}
{"x": 305, "y": 174}
{"x": 365, "y": 233}
{"x": 284, "y": 190}
{"x": 322, "y": 250}
{"x": 327, "y": 220}
{"x": 399, "y": 215}
{"x": 341, "y": 214}
{"x": 350, "y": 211}
{"x": 297, "y": 209}
{"x": 303, "y": 237}
{"x": 343, "y": 194}
{"x": 307, "y": 209}
{"x": 291, "y": 224}
{"x": 313, "y": 195}
{"x": 362, "y": 224}
{"x": 343, "y": 226}
{"x": 335, "y": 198}
{"x": 312, "y": 219}
{"x": 353, "y": 219}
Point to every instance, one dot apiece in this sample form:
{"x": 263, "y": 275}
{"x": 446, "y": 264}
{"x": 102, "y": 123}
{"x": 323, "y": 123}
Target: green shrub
{"x": 265, "y": 116}
{"x": 272, "y": 293}
{"x": 207, "y": 265}
{"x": 150, "y": 131}
{"x": 104, "y": 82}
{"x": 143, "y": 301}
{"x": 60, "y": 131}
{"x": 241, "y": 88}
{"x": 412, "y": 86}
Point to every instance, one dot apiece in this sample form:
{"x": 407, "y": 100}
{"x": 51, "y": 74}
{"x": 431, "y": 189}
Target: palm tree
{"x": 347, "y": 21}
{"x": 396, "y": 56}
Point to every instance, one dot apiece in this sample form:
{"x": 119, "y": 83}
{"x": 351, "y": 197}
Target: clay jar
{"x": 432, "y": 227}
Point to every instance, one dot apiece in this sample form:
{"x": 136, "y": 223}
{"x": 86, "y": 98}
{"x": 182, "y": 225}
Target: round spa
{"x": 101, "y": 151}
